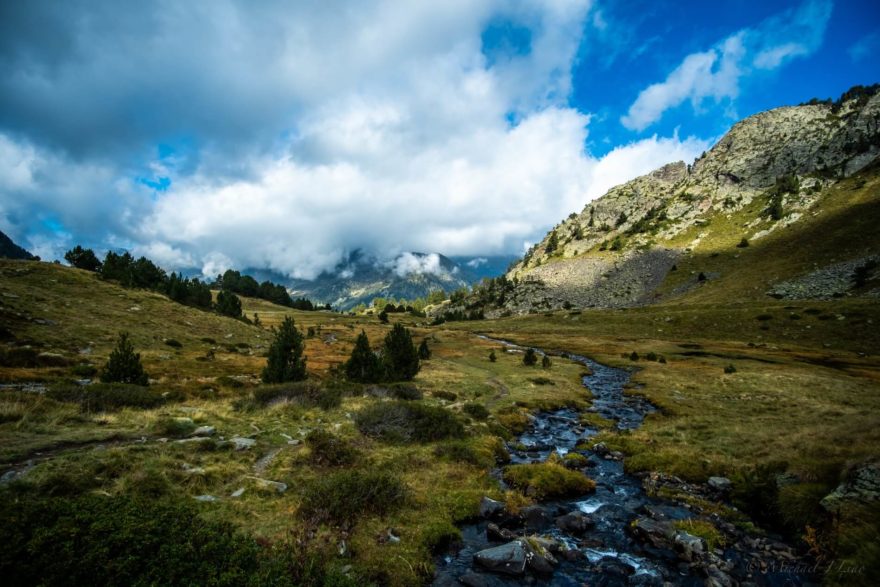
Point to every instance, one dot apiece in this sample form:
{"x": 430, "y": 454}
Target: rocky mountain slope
{"x": 769, "y": 178}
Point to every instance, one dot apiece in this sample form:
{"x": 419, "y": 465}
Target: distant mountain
{"x": 362, "y": 277}
{"x": 10, "y": 250}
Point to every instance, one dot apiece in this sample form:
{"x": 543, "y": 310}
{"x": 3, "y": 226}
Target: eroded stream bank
{"x": 617, "y": 534}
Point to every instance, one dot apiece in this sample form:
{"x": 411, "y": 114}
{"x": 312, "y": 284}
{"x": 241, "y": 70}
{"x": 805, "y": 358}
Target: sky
{"x": 215, "y": 134}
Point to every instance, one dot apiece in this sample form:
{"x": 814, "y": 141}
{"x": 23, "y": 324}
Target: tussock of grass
{"x": 402, "y": 421}
{"x": 547, "y": 480}
{"x": 345, "y": 496}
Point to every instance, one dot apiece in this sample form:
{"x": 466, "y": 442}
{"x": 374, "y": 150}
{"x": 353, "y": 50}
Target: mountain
{"x": 10, "y": 250}
{"x": 362, "y": 277}
{"x": 786, "y": 199}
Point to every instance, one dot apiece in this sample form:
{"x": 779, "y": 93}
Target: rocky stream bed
{"x": 617, "y": 535}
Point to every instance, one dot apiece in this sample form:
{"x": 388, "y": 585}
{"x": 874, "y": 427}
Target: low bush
{"x": 328, "y": 450}
{"x": 476, "y": 411}
{"x": 230, "y": 382}
{"x": 84, "y": 370}
{"x": 404, "y": 391}
{"x": 95, "y": 540}
{"x": 729, "y": 369}
{"x": 106, "y": 397}
{"x": 464, "y": 452}
{"x": 401, "y": 421}
{"x": 440, "y": 536}
{"x": 574, "y": 460}
{"x": 514, "y": 421}
{"x": 308, "y": 394}
{"x": 542, "y": 381}
{"x": 344, "y": 496}
{"x": 547, "y": 480}
{"x": 447, "y": 395}
{"x": 173, "y": 343}
{"x": 756, "y": 492}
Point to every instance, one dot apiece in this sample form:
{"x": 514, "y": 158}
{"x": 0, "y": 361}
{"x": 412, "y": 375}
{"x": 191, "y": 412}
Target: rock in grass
{"x": 241, "y": 443}
{"x": 204, "y": 431}
{"x": 720, "y": 484}
{"x": 267, "y": 484}
{"x": 489, "y": 507}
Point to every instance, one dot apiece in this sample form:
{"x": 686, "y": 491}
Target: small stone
{"x": 266, "y": 483}
{"x": 721, "y": 484}
{"x": 204, "y": 431}
{"x": 241, "y": 443}
{"x": 490, "y": 507}
{"x": 237, "y": 493}
{"x": 206, "y": 498}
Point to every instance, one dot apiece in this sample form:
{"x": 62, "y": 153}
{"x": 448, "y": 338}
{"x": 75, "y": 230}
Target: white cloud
{"x": 716, "y": 73}
{"x": 299, "y": 135}
{"x": 407, "y": 264}
{"x": 474, "y": 263}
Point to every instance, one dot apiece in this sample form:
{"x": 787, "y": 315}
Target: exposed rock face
{"x": 863, "y": 486}
{"x": 619, "y": 249}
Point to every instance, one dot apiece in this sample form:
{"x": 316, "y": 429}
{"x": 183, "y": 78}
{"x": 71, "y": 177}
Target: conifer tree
{"x": 424, "y": 351}
{"x": 286, "y": 361}
{"x": 530, "y": 358}
{"x": 363, "y": 365}
{"x": 228, "y": 304}
{"x": 82, "y": 258}
{"x": 400, "y": 357}
{"x": 552, "y": 243}
{"x": 124, "y": 365}
{"x": 492, "y": 357}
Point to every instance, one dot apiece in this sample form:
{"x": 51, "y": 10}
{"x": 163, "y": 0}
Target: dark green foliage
{"x": 463, "y": 452}
{"x": 307, "y": 394}
{"x": 730, "y": 369}
{"x": 84, "y": 370}
{"x": 447, "y": 395}
{"x": 542, "y": 381}
{"x": 475, "y": 411}
{"x": 616, "y": 244}
{"x": 662, "y": 359}
{"x": 82, "y": 258}
{"x": 621, "y": 219}
{"x": 785, "y": 184}
{"x": 173, "y": 343}
{"x": 400, "y": 357}
{"x": 546, "y": 363}
{"x": 404, "y": 391}
{"x": 634, "y": 356}
{"x": 363, "y": 365}
{"x": 131, "y": 272}
{"x": 329, "y": 450}
{"x": 764, "y": 317}
{"x": 651, "y": 356}
{"x": 235, "y": 282}
{"x": 310, "y": 332}
{"x": 190, "y": 292}
{"x": 96, "y": 540}
{"x": 424, "y": 351}
{"x": 552, "y": 243}
{"x": 701, "y": 277}
{"x": 862, "y": 273}
{"x": 492, "y": 357}
{"x": 383, "y": 317}
{"x": 440, "y": 536}
{"x": 756, "y": 492}
{"x": 345, "y": 496}
{"x": 228, "y": 304}
{"x": 743, "y": 243}
{"x": 400, "y": 421}
{"x": 124, "y": 365}
{"x": 286, "y": 361}
{"x": 105, "y": 397}
{"x": 530, "y": 357}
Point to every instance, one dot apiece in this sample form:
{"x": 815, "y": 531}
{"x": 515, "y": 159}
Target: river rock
{"x": 479, "y": 580}
{"x": 612, "y": 566}
{"x": 508, "y": 559}
{"x": 658, "y": 533}
{"x": 688, "y": 546}
{"x": 241, "y": 443}
{"x": 535, "y": 517}
{"x": 498, "y": 534}
{"x": 490, "y": 508}
{"x": 204, "y": 431}
{"x": 576, "y": 522}
{"x": 720, "y": 484}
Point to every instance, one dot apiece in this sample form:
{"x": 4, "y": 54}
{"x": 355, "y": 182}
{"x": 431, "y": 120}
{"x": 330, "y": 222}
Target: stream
{"x": 608, "y": 553}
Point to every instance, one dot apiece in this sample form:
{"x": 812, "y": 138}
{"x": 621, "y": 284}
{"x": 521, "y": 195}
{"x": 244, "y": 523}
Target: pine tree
{"x": 124, "y": 365}
{"x": 228, "y": 304}
{"x": 82, "y": 258}
{"x": 546, "y": 362}
{"x": 286, "y": 361}
{"x": 492, "y": 357}
{"x": 552, "y": 243}
{"x": 383, "y": 317}
{"x": 400, "y": 357}
{"x": 530, "y": 358}
{"x": 424, "y": 351}
{"x": 363, "y": 365}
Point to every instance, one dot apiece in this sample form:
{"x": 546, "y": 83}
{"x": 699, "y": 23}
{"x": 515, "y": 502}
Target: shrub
{"x": 574, "y": 460}
{"x": 363, "y": 365}
{"x": 701, "y": 276}
{"x": 547, "y": 480}
{"x": 464, "y": 452}
{"x": 404, "y": 391}
{"x": 492, "y": 357}
{"x": 651, "y": 356}
{"x": 743, "y": 243}
{"x": 307, "y": 394}
{"x": 424, "y": 351}
{"x": 730, "y": 369}
{"x": 447, "y": 395}
{"x": 174, "y": 426}
{"x": 383, "y": 317}
{"x": 344, "y": 496}
{"x": 546, "y": 363}
{"x": 19, "y": 357}
{"x": 106, "y": 397}
{"x": 227, "y": 381}
{"x": 84, "y": 370}
{"x": 330, "y": 450}
{"x": 756, "y": 492}
{"x": 96, "y": 540}
{"x": 400, "y": 421}
{"x": 124, "y": 365}
{"x": 285, "y": 361}
{"x": 530, "y": 357}
{"x": 542, "y": 381}
{"x": 634, "y": 356}
{"x": 440, "y": 536}
{"x": 208, "y": 340}
{"x": 173, "y": 343}
{"x": 662, "y": 359}
{"x": 476, "y": 411}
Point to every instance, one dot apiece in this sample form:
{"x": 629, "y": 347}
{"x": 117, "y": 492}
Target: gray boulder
{"x": 508, "y": 559}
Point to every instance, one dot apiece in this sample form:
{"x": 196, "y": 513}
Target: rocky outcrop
{"x": 618, "y": 250}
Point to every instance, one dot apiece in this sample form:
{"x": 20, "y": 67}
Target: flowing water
{"x": 608, "y": 553}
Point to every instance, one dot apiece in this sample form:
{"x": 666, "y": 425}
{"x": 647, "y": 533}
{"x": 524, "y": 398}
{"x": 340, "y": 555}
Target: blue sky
{"x": 283, "y": 135}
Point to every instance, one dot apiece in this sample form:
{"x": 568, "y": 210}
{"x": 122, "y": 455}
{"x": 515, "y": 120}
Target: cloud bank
{"x": 236, "y": 134}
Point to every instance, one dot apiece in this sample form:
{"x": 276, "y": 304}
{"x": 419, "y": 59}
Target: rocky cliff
{"x": 765, "y": 174}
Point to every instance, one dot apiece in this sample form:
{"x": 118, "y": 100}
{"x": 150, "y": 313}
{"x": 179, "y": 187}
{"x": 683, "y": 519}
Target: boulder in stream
{"x": 508, "y": 559}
